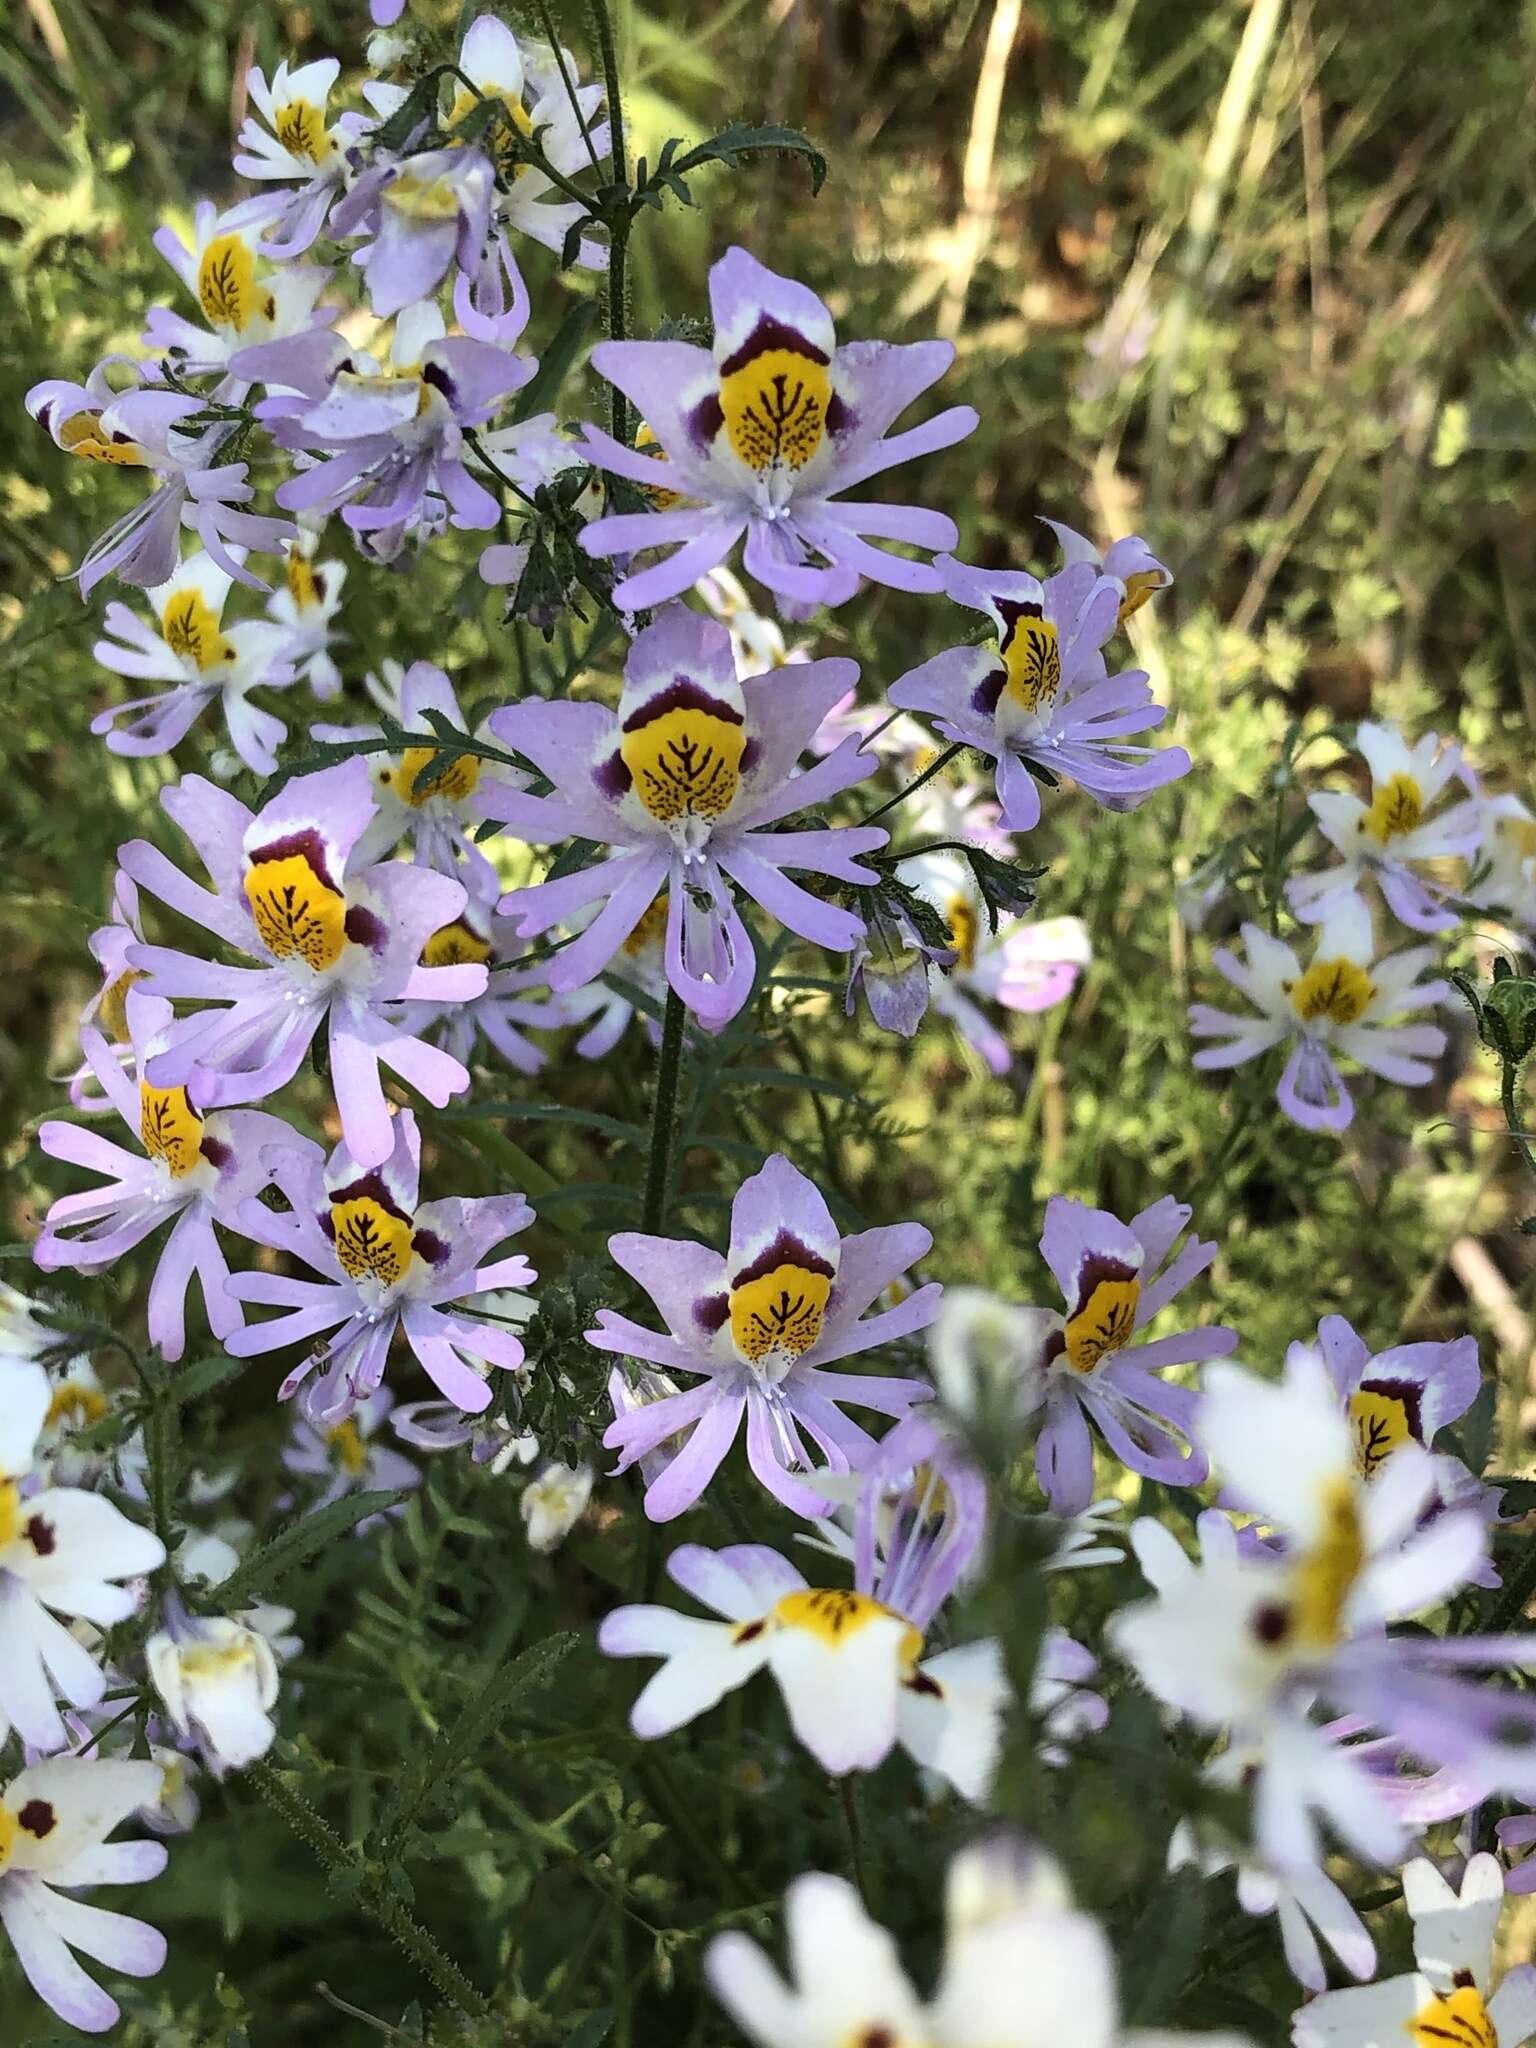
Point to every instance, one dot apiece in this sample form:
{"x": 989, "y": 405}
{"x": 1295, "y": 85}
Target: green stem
{"x": 850, "y": 1806}
{"x": 568, "y": 82}
{"x": 658, "y": 1172}
{"x": 933, "y": 768}
{"x": 619, "y": 217}
{"x": 1512, "y": 1116}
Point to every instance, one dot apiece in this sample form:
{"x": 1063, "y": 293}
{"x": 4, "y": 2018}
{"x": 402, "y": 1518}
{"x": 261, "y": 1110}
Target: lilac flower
{"x": 762, "y": 436}
{"x": 1129, "y": 562}
{"x": 1386, "y": 836}
{"x": 604, "y": 1007}
{"x": 1039, "y": 694}
{"x": 391, "y": 440}
{"x": 203, "y": 660}
{"x": 387, "y": 1265}
{"x": 507, "y": 1010}
{"x": 758, "y": 1328}
{"x": 385, "y": 13}
{"x": 348, "y": 1458}
{"x": 305, "y": 607}
{"x": 422, "y": 212}
{"x": 147, "y": 429}
{"x": 1340, "y": 1003}
{"x": 332, "y": 946}
{"x": 244, "y": 299}
{"x": 684, "y": 781}
{"x": 195, "y": 1167}
{"x": 436, "y": 811}
{"x": 113, "y": 1007}
{"x": 892, "y": 966}
{"x": 1114, "y": 1281}
{"x": 293, "y": 144}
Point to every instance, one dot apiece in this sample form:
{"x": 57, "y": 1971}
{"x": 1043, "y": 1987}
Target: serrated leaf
{"x": 295, "y": 1545}
{"x": 740, "y": 140}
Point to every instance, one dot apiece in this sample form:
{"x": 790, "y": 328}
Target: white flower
{"x": 305, "y": 605}
{"x": 554, "y": 1503}
{"x": 54, "y": 1823}
{"x": 218, "y": 1680}
{"x": 21, "y": 1334}
{"x": 60, "y": 1549}
{"x": 1447, "y": 1998}
{"x": 985, "y": 1355}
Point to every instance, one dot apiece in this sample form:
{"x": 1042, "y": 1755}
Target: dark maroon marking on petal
{"x": 431, "y": 1247}
{"x": 770, "y": 333}
{"x": 682, "y": 694}
{"x": 706, "y": 420}
{"x": 711, "y": 1313}
{"x": 216, "y": 1152}
{"x": 786, "y": 1250}
{"x": 1097, "y": 1267}
{"x": 748, "y": 1632}
{"x": 1053, "y": 1347}
{"x": 307, "y": 844}
{"x": 370, "y": 1187}
{"x": 612, "y": 777}
{"x": 45, "y": 417}
{"x": 1410, "y": 1393}
{"x": 38, "y": 1819}
{"x": 364, "y": 929}
{"x": 841, "y": 417}
{"x": 40, "y": 1534}
{"x": 1012, "y": 609}
{"x": 986, "y": 693}
{"x": 920, "y": 1682}
{"x": 436, "y": 375}
{"x": 751, "y": 754}
{"x": 1272, "y": 1623}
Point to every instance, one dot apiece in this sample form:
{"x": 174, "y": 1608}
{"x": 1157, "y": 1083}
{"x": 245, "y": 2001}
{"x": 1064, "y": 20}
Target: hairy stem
{"x": 941, "y": 761}
{"x": 669, "y": 1066}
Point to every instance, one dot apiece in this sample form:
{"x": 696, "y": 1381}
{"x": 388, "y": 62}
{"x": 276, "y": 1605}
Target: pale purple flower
{"x": 349, "y": 1458}
{"x": 758, "y": 1327}
{"x": 243, "y": 297}
{"x": 112, "y": 1009}
{"x": 1340, "y": 1003}
{"x": 508, "y": 1010}
{"x": 1114, "y": 1281}
{"x": 1518, "y": 1832}
{"x": 761, "y": 436}
{"x": 385, "y": 13}
{"x": 603, "y": 1006}
{"x": 292, "y": 143}
{"x": 202, "y": 661}
{"x": 194, "y": 1167}
{"x": 1128, "y": 562}
{"x": 390, "y": 440}
{"x": 387, "y": 1264}
{"x": 684, "y": 781}
{"x": 438, "y": 810}
{"x": 333, "y": 945}
{"x": 1389, "y": 835}
{"x": 1038, "y": 694}
{"x": 422, "y": 212}
{"x": 891, "y": 967}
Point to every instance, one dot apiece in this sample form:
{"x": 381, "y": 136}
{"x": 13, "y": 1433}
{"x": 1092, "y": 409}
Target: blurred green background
{"x": 1256, "y": 280}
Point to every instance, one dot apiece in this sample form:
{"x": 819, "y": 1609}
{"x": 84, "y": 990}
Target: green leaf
{"x": 191, "y": 1382}
{"x": 1161, "y": 1948}
{"x": 1004, "y": 887}
{"x": 566, "y": 343}
{"x": 293, "y": 1546}
{"x": 731, "y": 146}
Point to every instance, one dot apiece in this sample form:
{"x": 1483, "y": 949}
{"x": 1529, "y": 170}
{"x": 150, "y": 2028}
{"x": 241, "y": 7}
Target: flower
{"x": 1504, "y": 877}
{"x": 758, "y": 1328}
{"x": 684, "y": 781}
{"x": 244, "y": 299}
{"x": 506, "y": 1012}
{"x": 196, "y": 1166}
{"x": 553, "y": 1503}
{"x": 893, "y": 964}
{"x": 62, "y": 1550}
{"x": 387, "y": 1265}
{"x": 1037, "y": 696}
{"x": 1448, "y": 1996}
{"x": 435, "y": 807}
{"x": 1021, "y": 1966}
{"x": 348, "y": 1458}
{"x": 390, "y": 440}
{"x": 1387, "y": 835}
{"x": 1404, "y": 1395}
{"x": 757, "y": 642}
{"x": 762, "y": 436}
{"x": 305, "y": 607}
{"x": 1340, "y": 1002}
{"x": 54, "y": 1822}
{"x": 202, "y": 659}
{"x": 23, "y": 1335}
{"x": 1129, "y": 562}
{"x": 984, "y": 1355}
{"x": 334, "y": 946}
{"x": 217, "y": 1677}
{"x": 1250, "y": 1640}
{"x": 423, "y": 212}
{"x": 293, "y": 144}
{"x": 1108, "y": 1272}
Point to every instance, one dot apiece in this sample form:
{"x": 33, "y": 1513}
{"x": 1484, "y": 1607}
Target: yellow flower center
{"x": 227, "y": 287}
{"x": 1031, "y": 651}
{"x": 371, "y": 1241}
{"x": 171, "y": 1128}
{"x": 962, "y": 922}
{"x": 458, "y": 777}
{"x": 1458, "y": 2017}
{"x": 1396, "y": 808}
{"x": 75, "y": 1407}
{"x": 776, "y": 1316}
{"x": 775, "y": 407}
{"x": 112, "y": 1010}
{"x": 1103, "y": 1324}
{"x": 191, "y": 629}
{"x": 663, "y": 500}
{"x": 215, "y": 1660}
{"x": 1324, "y": 1575}
{"x": 685, "y": 762}
{"x": 1520, "y": 833}
{"x": 10, "y": 1828}
{"x": 1382, "y": 1424}
{"x": 1336, "y": 989}
{"x": 424, "y": 199}
{"x": 1138, "y": 588}
{"x": 455, "y": 945}
{"x": 650, "y": 931}
{"x": 303, "y": 583}
{"x": 496, "y": 138}
{"x": 81, "y": 434}
{"x": 10, "y": 1512}
{"x": 300, "y": 128}
{"x": 346, "y": 1441}
{"x": 297, "y": 916}
{"x": 834, "y": 1616}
